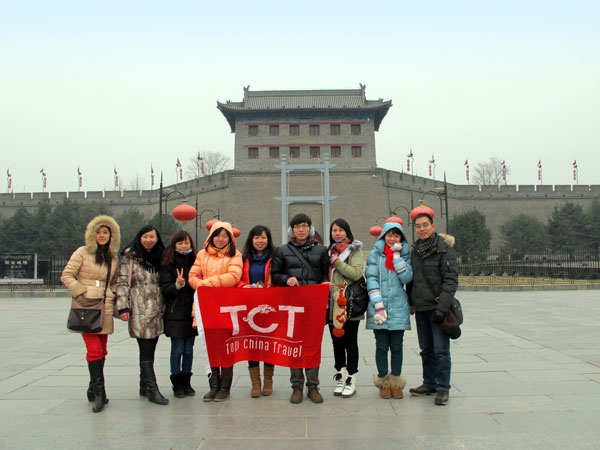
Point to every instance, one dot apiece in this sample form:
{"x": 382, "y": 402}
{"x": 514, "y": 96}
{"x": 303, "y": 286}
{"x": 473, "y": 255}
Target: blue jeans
{"x": 391, "y": 340}
{"x": 182, "y": 354}
{"x": 435, "y": 352}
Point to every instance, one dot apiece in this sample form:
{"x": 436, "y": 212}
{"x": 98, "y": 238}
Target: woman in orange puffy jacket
{"x": 218, "y": 264}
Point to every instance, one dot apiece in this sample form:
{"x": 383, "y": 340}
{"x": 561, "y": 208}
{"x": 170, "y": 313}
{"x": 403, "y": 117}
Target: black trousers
{"x": 345, "y": 348}
{"x": 256, "y": 364}
{"x": 147, "y": 348}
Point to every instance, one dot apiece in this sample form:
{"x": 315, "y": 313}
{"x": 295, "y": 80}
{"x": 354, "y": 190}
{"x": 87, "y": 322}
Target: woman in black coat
{"x": 178, "y": 258}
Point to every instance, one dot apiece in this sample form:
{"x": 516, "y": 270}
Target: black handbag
{"x": 87, "y": 315}
{"x": 85, "y": 320}
{"x": 358, "y": 298}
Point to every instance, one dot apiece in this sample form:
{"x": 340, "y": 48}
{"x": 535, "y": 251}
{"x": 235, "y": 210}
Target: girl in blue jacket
{"x": 388, "y": 314}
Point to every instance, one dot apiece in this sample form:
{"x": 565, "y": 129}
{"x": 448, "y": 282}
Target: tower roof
{"x": 309, "y": 100}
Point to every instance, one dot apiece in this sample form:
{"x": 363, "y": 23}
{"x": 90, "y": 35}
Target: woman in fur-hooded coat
{"x": 86, "y": 274}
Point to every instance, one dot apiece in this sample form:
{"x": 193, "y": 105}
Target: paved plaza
{"x": 525, "y": 375}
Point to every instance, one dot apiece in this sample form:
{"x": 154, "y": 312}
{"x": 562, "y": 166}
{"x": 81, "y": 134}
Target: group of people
{"x": 152, "y": 288}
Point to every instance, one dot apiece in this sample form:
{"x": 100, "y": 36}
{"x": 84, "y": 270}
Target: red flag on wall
{"x": 280, "y": 325}
{"x": 180, "y": 169}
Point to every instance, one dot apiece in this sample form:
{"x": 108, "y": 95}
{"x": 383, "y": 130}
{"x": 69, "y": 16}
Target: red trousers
{"x": 96, "y": 346}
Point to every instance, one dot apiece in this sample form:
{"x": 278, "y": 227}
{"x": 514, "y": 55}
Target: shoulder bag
{"x": 301, "y": 258}
{"x": 87, "y": 314}
{"x": 358, "y": 297}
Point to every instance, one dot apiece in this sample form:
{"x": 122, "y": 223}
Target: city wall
{"x": 363, "y": 197}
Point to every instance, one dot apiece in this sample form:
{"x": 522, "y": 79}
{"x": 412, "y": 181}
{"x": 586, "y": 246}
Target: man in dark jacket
{"x": 288, "y": 269}
{"x": 435, "y": 280}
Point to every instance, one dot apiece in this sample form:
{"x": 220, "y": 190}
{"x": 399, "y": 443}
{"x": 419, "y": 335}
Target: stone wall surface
{"x": 363, "y": 196}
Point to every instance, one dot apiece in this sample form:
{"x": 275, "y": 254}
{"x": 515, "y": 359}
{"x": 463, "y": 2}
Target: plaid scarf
{"x": 424, "y": 246}
{"x": 339, "y": 247}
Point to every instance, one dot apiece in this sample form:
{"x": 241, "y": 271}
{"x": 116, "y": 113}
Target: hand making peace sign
{"x": 180, "y": 282}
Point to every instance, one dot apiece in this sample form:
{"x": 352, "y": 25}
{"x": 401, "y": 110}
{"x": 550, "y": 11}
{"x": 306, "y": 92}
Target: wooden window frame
{"x": 274, "y": 152}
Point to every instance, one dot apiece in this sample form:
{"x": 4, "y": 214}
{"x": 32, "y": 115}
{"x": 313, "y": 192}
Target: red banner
{"x": 279, "y": 325}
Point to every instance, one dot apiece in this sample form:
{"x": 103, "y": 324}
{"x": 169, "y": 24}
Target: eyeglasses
{"x": 422, "y": 225}
{"x": 300, "y": 225}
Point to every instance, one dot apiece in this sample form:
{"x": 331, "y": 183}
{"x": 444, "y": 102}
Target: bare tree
{"x": 214, "y": 162}
{"x": 489, "y": 172}
{"x": 137, "y": 183}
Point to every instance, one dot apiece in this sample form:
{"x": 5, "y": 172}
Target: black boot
{"x": 97, "y": 377}
{"x": 143, "y": 392}
{"x": 226, "y": 380}
{"x": 152, "y": 392}
{"x": 90, "y": 391}
{"x": 187, "y": 387}
{"x": 177, "y": 382}
{"x": 214, "y": 381}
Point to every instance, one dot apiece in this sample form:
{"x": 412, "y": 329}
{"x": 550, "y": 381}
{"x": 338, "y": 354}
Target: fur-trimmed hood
{"x": 448, "y": 238}
{"x": 115, "y": 234}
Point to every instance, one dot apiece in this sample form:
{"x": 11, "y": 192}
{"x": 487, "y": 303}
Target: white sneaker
{"x": 350, "y": 386}
{"x": 339, "y": 380}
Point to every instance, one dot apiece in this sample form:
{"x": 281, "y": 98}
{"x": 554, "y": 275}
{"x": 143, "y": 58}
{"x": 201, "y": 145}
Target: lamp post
{"x": 440, "y": 193}
{"x": 166, "y": 197}
{"x": 199, "y": 218}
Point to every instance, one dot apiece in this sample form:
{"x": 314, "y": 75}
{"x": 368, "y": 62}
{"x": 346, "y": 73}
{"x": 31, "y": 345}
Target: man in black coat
{"x": 301, "y": 262}
{"x": 435, "y": 280}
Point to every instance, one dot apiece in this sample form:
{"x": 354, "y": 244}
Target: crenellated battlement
{"x": 247, "y": 197}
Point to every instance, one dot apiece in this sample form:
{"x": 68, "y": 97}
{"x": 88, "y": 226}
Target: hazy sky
{"x": 135, "y": 83}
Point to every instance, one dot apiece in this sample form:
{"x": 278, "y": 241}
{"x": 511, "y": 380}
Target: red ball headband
{"x": 421, "y": 210}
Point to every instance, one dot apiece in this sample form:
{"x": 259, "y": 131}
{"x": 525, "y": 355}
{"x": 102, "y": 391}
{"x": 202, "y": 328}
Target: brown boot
{"x": 385, "y": 390}
{"x": 297, "y": 394}
{"x": 397, "y": 383}
{"x": 314, "y": 394}
{"x": 255, "y": 380}
{"x": 268, "y": 384}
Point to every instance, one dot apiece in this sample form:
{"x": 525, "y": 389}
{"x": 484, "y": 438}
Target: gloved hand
{"x": 333, "y": 258}
{"x": 399, "y": 263}
{"x": 380, "y": 312}
{"x": 380, "y": 316}
{"x": 438, "y": 316}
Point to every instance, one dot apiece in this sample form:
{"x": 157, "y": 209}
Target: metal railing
{"x": 583, "y": 263}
